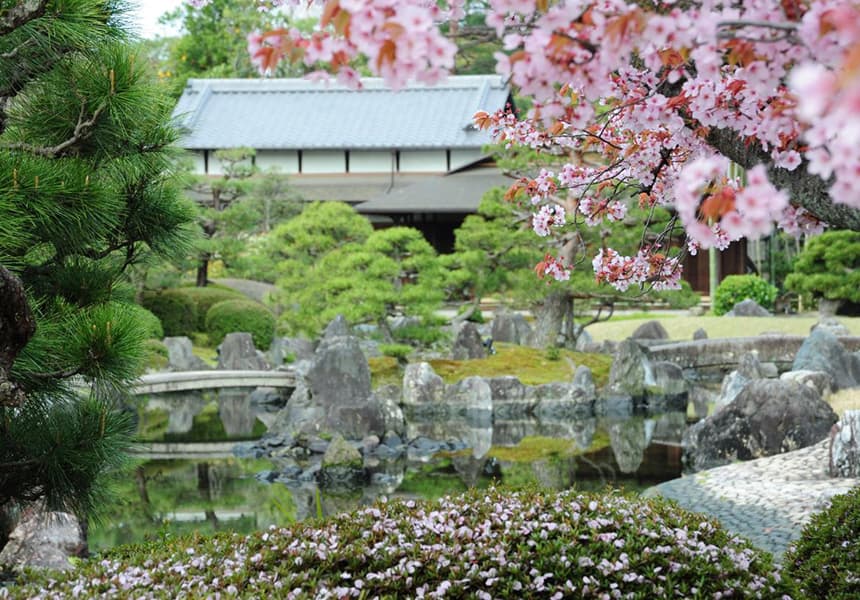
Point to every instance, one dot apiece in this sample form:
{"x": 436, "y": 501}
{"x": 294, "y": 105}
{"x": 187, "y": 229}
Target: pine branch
{"x": 82, "y": 130}
{"x": 20, "y": 14}
{"x": 17, "y": 326}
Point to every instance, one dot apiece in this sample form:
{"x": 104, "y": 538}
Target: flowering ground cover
{"x": 483, "y": 544}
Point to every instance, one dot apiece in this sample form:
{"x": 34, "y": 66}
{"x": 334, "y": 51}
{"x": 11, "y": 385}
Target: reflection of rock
{"x": 628, "y": 440}
{"x": 469, "y": 468}
{"x": 669, "y": 427}
{"x": 180, "y": 356}
{"x": 341, "y": 464}
{"x": 181, "y": 408}
{"x": 44, "y": 540}
{"x": 582, "y": 432}
{"x": 234, "y": 408}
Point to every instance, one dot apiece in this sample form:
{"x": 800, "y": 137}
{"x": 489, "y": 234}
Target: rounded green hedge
{"x": 737, "y": 288}
{"x": 177, "y": 311}
{"x": 825, "y": 561}
{"x": 482, "y": 544}
{"x": 241, "y": 315}
{"x": 207, "y": 297}
{"x": 150, "y": 322}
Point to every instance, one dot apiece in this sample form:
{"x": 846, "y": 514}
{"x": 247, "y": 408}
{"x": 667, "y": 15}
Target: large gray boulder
{"x": 289, "y": 350}
{"x": 237, "y": 352}
{"x": 845, "y": 446}
{"x": 631, "y": 372}
{"x": 510, "y": 327}
{"x": 650, "y": 330}
{"x": 831, "y": 324}
{"x": 44, "y": 540}
{"x": 768, "y": 417}
{"x": 669, "y": 390}
{"x": 300, "y": 415}
{"x": 749, "y": 368}
{"x": 422, "y": 386}
{"x": 472, "y": 394}
{"x": 339, "y": 373}
{"x": 700, "y": 334}
{"x": 748, "y": 308}
{"x": 820, "y": 381}
{"x": 822, "y": 351}
{"x": 468, "y": 343}
{"x": 180, "y": 356}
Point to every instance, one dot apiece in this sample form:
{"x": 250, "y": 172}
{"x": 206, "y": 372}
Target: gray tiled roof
{"x": 300, "y": 114}
{"x": 454, "y": 192}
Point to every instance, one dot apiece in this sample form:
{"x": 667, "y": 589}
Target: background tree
{"x": 214, "y": 195}
{"x": 330, "y": 262}
{"x": 495, "y": 254}
{"x": 86, "y": 185}
{"x": 213, "y": 42}
{"x": 668, "y": 95}
{"x": 828, "y": 268}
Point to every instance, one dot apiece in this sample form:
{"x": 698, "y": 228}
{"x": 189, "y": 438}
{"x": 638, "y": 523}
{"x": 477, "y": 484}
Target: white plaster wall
{"x": 285, "y": 161}
{"x": 198, "y": 164}
{"x": 370, "y": 162}
{"x": 464, "y": 157}
{"x": 323, "y": 161}
{"x": 422, "y": 161}
{"x": 214, "y": 164}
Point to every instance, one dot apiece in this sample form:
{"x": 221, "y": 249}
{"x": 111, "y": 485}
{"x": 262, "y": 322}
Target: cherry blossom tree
{"x": 647, "y": 102}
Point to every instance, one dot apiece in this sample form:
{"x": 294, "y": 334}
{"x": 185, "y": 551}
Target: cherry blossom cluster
{"x": 648, "y": 267}
{"x": 485, "y": 544}
{"x": 636, "y": 95}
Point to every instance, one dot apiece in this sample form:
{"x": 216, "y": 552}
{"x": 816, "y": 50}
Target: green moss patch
{"x": 531, "y": 365}
{"x": 384, "y": 370}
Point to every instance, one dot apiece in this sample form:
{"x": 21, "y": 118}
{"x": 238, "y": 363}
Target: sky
{"x": 146, "y": 15}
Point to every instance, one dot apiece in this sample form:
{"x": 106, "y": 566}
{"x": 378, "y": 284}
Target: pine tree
{"x": 85, "y": 188}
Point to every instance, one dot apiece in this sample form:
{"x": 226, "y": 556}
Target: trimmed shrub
{"x": 150, "y": 322}
{"x": 176, "y": 311}
{"x": 207, "y": 297}
{"x": 829, "y": 267}
{"x": 737, "y": 288}
{"x": 241, "y": 315}
{"x": 157, "y": 356}
{"x": 399, "y": 351}
{"x": 483, "y": 544}
{"x": 825, "y": 561}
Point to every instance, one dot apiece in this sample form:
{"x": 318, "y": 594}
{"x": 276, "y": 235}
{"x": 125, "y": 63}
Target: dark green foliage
{"x": 399, "y": 351}
{"x": 825, "y": 561}
{"x": 737, "y": 288}
{"x": 829, "y": 267}
{"x": 150, "y": 323}
{"x": 241, "y": 316}
{"x": 205, "y": 298}
{"x": 177, "y": 311}
{"x": 157, "y": 357}
{"x": 332, "y": 262}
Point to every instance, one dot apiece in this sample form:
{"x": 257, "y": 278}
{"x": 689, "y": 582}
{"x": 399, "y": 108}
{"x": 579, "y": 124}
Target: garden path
{"x": 767, "y": 500}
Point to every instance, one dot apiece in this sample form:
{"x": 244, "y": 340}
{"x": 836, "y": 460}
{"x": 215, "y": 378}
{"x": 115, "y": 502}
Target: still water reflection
{"x": 217, "y": 493}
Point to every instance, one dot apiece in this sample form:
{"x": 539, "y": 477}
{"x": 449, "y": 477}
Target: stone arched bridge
{"x": 724, "y": 353}
{"x": 183, "y": 381}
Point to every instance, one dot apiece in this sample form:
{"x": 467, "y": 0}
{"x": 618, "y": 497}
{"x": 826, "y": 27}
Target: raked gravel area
{"x": 767, "y": 500}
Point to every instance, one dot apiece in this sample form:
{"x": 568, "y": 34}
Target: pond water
{"x": 188, "y": 480}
